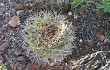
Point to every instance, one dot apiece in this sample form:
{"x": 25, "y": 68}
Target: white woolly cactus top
{"x": 49, "y": 35}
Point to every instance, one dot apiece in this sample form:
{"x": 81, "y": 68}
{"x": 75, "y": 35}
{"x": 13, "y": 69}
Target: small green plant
{"x": 105, "y": 6}
{"x": 75, "y": 3}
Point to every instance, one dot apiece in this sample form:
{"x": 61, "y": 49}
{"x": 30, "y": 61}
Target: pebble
{"x": 101, "y": 37}
{"x": 15, "y": 20}
{"x": 20, "y": 58}
{"x": 17, "y": 53}
{"x": 19, "y": 7}
{"x": 20, "y": 12}
{"x": 69, "y": 13}
{"x": 2, "y": 4}
{"x": 30, "y": 11}
{"x": 51, "y": 64}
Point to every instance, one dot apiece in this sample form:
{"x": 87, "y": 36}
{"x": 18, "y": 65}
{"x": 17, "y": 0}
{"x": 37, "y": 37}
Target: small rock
{"x": 20, "y": 58}
{"x": 1, "y": 14}
{"x": 15, "y": 20}
{"x": 17, "y": 53}
{"x": 51, "y": 64}
{"x": 80, "y": 40}
{"x": 70, "y": 13}
{"x": 2, "y": 5}
{"x": 101, "y": 37}
{"x": 20, "y": 12}
{"x": 19, "y": 7}
{"x": 30, "y": 11}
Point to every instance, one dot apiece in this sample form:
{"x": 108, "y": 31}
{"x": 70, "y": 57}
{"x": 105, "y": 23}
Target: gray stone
{"x": 17, "y": 53}
{"x": 20, "y": 12}
{"x": 20, "y": 58}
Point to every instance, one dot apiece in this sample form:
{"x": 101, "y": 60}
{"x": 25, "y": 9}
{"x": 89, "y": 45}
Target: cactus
{"x": 49, "y": 35}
